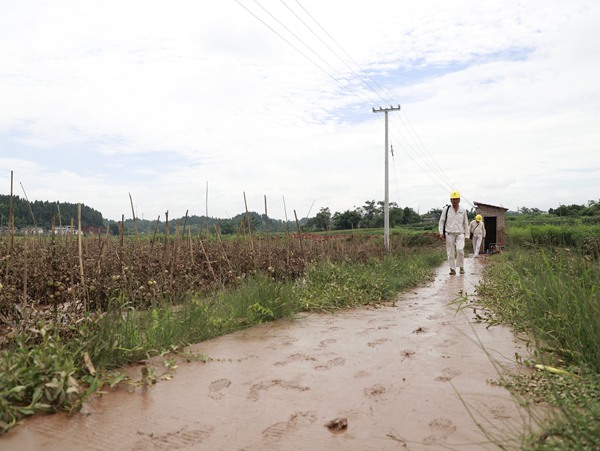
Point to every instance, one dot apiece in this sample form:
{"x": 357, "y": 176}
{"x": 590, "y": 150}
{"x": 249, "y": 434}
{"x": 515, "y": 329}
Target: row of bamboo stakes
{"x": 11, "y": 235}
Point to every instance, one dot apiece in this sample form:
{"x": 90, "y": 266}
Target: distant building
{"x": 66, "y": 230}
{"x": 495, "y": 225}
{"x": 32, "y": 230}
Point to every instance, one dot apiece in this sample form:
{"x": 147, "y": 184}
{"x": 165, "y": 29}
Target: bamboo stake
{"x": 134, "y": 220}
{"x": 121, "y": 230}
{"x": 248, "y": 221}
{"x": 267, "y": 232}
{"x": 191, "y": 246}
{"x": 11, "y": 219}
{"x": 185, "y": 220}
{"x": 222, "y": 246}
{"x": 300, "y": 237}
{"x": 173, "y": 260}
{"x": 29, "y": 205}
{"x": 208, "y": 260}
{"x": 176, "y": 240}
{"x": 25, "y": 303}
{"x": 81, "y": 276}
{"x": 166, "y": 231}
{"x": 103, "y": 242}
{"x": 53, "y": 226}
{"x": 154, "y": 235}
{"x": 287, "y": 233}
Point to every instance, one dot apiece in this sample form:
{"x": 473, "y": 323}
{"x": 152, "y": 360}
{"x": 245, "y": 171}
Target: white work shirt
{"x": 456, "y": 222}
{"x": 477, "y": 228}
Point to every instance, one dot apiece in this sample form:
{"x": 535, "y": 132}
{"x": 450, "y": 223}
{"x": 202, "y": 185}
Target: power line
{"x": 348, "y": 88}
{"x": 429, "y": 161}
{"x": 429, "y": 164}
{"x": 348, "y": 55}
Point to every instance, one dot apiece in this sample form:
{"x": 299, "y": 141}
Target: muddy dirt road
{"x": 410, "y": 376}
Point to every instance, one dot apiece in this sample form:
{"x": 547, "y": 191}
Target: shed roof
{"x": 489, "y": 206}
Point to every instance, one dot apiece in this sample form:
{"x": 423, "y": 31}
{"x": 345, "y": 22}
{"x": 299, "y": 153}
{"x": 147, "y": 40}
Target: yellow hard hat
{"x": 454, "y": 195}
{"x": 478, "y": 218}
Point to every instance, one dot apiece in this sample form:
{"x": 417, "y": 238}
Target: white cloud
{"x": 103, "y": 99}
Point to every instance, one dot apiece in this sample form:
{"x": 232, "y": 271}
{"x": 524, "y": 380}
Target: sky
{"x": 212, "y": 107}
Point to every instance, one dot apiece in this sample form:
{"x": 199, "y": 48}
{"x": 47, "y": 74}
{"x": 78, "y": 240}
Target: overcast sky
{"x": 187, "y": 105}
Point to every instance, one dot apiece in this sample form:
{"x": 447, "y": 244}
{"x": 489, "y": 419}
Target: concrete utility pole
{"x": 386, "y": 205}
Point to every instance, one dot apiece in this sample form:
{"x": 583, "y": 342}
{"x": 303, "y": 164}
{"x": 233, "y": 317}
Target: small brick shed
{"x": 495, "y": 224}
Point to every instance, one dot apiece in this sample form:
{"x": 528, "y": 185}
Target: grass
{"x": 581, "y": 237}
{"x": 553, "y": 296}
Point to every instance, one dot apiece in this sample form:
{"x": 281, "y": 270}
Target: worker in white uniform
{"x": 477, "y": 233}
{"x": 453, "y": 227}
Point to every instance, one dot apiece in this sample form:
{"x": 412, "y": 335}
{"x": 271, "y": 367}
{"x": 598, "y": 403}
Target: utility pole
{"x": 386, "y": 204}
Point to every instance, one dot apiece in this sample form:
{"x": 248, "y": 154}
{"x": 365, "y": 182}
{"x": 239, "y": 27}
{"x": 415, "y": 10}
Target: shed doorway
{"x": 491, "y": 234}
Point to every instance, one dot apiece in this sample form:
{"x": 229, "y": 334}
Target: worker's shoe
{"x": 452, "y": 272}
{"x": 462, "y": 270}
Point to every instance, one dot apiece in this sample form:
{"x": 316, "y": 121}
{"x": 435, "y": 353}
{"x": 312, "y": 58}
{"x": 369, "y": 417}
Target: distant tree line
{"x": 370, "y": 215}
{"x": 195, "y": 224}
{"x": 41, "y": 213}
{"x": 591, "y": 209}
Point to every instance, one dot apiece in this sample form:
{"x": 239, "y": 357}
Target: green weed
{"x": 553, "y": 296}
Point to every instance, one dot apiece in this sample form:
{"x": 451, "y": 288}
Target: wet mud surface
{"x": 411, "y": 376}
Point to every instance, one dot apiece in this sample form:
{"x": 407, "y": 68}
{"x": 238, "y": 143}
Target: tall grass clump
{"x": 581, "y": 237}
{"x": 553, "y": 295}
{"x": 331, "y": 286}
{"x": 125, "y": 335}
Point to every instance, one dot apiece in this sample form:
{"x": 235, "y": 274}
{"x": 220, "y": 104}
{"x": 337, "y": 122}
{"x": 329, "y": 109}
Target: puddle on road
{"x": 278, "y": 385}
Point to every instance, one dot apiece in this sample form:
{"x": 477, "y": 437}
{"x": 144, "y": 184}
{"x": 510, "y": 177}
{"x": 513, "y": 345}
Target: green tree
{"x": 349, "y": 219}
{"x": 410, "y": 216}
{"x": 321, "y": 221}
{"x": 372, "y": 214}
{"x": 396, "y": 215}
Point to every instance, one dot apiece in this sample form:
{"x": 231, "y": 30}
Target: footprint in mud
{"x": 386, "y": 327}
{"x": 406, "y": 353}
{"x": 361, "y": 373}
{"x": 264, "y": 386}
{"x": 183, "y": 438}
{"x": 286, "y": 341}
{"x": 295, "y": 358}
{"x": 500, "y": 412}
{"x": 339, "y": 361}
{"x": 215, "y": 387}
{"x": 332, "y": 328}
{"x": 375, "y": 392}
{"x": 447, "y": 343}
{"x": 448, "y": 374}
{"x": 328, "y": 341}
{"x": 378, "y": 342}
{"x": 366, "y": 331}
{"x": 289, "y": 341}
{"x": 435, "y": 316}
{"x": 441, "y": 429}
{"x": 297, "y": 421}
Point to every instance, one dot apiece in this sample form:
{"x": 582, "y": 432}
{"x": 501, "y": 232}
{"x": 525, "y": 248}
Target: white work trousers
{"x": 455, "y": 249}
{"x": 477, "y": 239}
